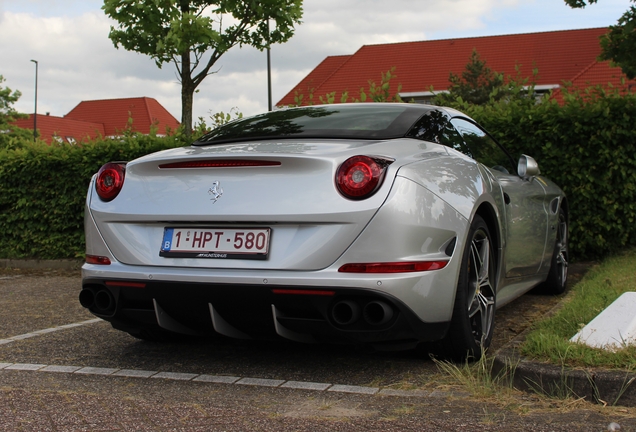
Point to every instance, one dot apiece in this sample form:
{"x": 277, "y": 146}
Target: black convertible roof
{"x": 373, "y": 121}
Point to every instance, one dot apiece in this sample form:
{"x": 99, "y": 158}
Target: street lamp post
{"x": 35, "y": 113}
{"x": 269, "y": 73}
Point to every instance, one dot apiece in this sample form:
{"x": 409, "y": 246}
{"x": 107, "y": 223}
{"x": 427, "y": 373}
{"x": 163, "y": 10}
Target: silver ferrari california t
{"x": 388, "y": 225}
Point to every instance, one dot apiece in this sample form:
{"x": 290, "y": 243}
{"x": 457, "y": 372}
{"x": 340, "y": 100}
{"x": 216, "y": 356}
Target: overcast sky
{"x": 77, "y": 61}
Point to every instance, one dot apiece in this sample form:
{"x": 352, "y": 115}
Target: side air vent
{"x": 554, "y": 206}
{"x": 450, "y": 248}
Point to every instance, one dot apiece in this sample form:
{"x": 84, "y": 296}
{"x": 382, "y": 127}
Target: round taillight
{"x": 358, "y": 177}
{"x": 110, "y": 180}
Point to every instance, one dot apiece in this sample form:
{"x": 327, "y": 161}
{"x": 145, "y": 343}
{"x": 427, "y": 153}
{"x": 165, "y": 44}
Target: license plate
{"x": 215, "y": 243}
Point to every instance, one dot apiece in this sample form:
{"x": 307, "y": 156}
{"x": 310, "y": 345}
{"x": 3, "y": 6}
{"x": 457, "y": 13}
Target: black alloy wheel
{"x": 558, "y": 277}
{"x": 473, "y": 318}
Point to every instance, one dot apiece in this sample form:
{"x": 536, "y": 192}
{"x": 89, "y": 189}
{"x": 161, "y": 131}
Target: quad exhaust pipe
{"x": 377, "y": 313}
{"x": 374, "y": 313}
{"x": 100, "y": 301}
{"x": 345, "y": 312}
{"x": 87, "y": 298}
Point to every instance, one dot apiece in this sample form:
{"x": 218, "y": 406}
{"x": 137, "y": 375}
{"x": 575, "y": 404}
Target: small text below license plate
{"x": 219, "y": 243}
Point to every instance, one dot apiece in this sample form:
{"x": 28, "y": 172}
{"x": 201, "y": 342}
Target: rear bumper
{"x": 398, "y": 232}
{"x": 300, "y": 313}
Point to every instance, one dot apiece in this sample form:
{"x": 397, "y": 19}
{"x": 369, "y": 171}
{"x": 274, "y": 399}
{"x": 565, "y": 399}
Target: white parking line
{"x": 224, "y": 379}
{"x": 47, "y": 330}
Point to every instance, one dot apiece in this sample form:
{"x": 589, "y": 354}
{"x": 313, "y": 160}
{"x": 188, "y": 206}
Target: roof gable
{"x": 114, "y": 114}
{"x": 599, "y": 74}
{"x": 320, "y": 74}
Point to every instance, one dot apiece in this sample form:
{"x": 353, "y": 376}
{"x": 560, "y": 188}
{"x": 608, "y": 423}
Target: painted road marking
{"x": 47, "y": 330}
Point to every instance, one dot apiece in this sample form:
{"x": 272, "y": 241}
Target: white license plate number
{"x": 216, "y": 243}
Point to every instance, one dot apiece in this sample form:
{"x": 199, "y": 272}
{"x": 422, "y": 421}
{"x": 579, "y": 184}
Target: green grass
{"x": 477, "y": 377}
{"x": 549, "y": 341}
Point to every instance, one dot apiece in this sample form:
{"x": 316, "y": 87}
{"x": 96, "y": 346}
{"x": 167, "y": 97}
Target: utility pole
{"x": 269, "y": 73}
{"x": 35, "y": 113}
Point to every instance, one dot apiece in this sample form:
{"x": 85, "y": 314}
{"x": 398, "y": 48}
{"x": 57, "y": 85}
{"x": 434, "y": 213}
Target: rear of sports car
{"x": 307, "y": 239}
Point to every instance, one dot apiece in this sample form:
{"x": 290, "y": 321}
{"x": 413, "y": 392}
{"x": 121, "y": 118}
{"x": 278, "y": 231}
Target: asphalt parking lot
{"x": 62, "y": 370}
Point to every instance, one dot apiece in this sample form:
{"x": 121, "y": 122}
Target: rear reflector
{"x": 395, "y": 267}
{"x": 125, "y": 284}
{"x": 304, "y": 292}
{"x": 227, "y": 163}
{"x": 94, "y": 259}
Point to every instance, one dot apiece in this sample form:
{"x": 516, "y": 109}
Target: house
{"x": 105, "y": 118}
{"x": 60, "y": 129}
{"x": 558, "y": 56}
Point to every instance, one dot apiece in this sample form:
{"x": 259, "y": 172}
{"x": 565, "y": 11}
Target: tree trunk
{"x": 187, "y": 85}
{"x": 187, "y": 94}
{"x": 187, "y": 97}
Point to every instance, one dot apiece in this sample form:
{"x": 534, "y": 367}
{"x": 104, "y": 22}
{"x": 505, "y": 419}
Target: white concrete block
{"x": 219, "y": 379}
{"x": 61, "y": 369}
{"x": 175, "y": 376}
{"x": 96, "y": 371}
{"x": 303, "y": 385}
{"x": 614, "y": 327}
{"x": 135, "y": 373}
{"x": 25, "y": 366}
{"x": 262, "y": 382}
{"x": 353, "y": 389}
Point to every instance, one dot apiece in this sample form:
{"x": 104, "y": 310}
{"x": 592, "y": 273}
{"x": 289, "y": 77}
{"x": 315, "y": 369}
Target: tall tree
{"x": 8, "y": 131}
{"x": 619, "y": 44}
{"x": 193, "y": 34}
{"x": 478, "y": 84}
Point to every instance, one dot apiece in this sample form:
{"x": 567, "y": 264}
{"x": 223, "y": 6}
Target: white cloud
{"x": 77, "y": 61}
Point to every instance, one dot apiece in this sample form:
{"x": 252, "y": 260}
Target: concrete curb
{"x": 230, "y": 380}
{"x": 61, "y": 264}
{"x": 606, "y": 387}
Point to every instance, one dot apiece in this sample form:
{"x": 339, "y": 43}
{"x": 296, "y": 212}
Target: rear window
{"x": 360, "y": 121}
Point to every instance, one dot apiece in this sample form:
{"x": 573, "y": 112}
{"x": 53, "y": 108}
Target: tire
{"x": 558, "y": 276}
{"x": 473, "y": 320}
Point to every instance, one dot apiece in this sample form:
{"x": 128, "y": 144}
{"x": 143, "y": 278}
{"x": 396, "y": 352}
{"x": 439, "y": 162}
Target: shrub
{"x": 587, "y": 145}
{"x": 43, "y": 190}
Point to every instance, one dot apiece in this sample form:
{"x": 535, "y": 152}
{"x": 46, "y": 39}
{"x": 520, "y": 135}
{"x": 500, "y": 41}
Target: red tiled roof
{"x": 108, "y": 117}
{"x": 319, "y": 75}
{"x": 599, "y": 73}
{"x": 558, "y": 56}
{"x": 50, "y": 126}
{"x": 114, "y": 114}
{"x": 602, "y": 73}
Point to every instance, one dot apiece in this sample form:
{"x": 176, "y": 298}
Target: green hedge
{"x": 587, "y": 145}
{"x": 43, "y": 191}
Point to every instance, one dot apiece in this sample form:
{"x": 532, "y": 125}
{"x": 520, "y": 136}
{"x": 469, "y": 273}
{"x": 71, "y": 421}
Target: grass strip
{"x": 604, "y": 283}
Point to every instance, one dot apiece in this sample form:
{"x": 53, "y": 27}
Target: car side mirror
{"x": 528, "y": 167}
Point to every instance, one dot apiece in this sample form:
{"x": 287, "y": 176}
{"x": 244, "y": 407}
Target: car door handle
{"x": 506, "y": 198}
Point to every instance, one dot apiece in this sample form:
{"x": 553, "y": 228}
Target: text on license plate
{"x": 242, "y": 243}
